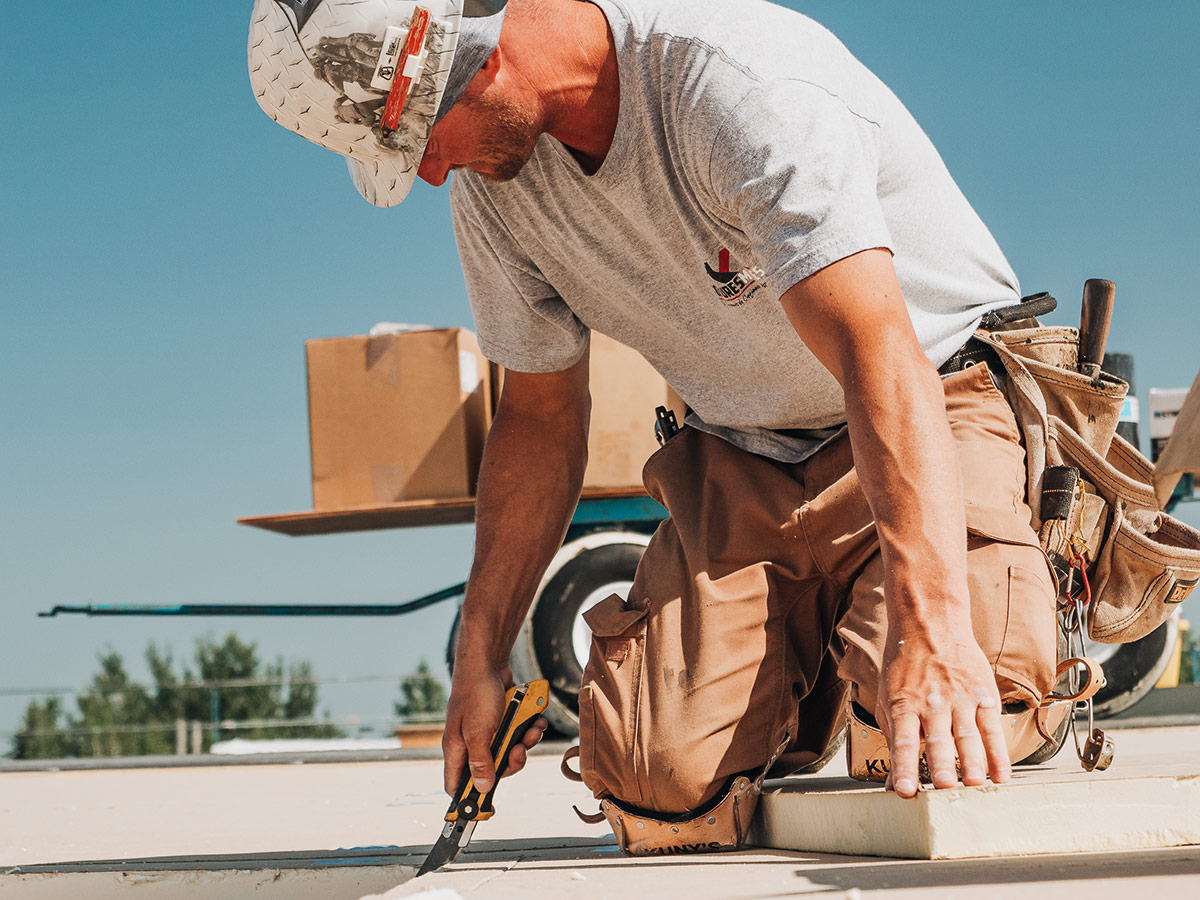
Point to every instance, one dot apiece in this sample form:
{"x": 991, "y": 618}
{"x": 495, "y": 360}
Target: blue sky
{"x": 168, "y": 250}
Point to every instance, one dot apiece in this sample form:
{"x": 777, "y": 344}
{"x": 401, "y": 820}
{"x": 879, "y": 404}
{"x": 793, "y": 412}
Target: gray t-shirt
{"x": 751, "y": 150}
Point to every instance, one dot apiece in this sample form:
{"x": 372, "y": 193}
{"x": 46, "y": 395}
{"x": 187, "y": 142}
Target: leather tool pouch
{"x": 1140, "y": 562}
{"x": 722, "y": 826}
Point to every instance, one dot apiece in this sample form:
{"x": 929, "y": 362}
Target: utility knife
{"x": 523, "y": 704}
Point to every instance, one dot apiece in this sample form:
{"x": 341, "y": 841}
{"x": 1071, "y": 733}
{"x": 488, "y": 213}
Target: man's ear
{"x": 492, "y": 65}
{"x": 486, "y": 76}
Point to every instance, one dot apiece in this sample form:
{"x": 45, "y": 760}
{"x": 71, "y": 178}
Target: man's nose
{"x": 433, "y": 170}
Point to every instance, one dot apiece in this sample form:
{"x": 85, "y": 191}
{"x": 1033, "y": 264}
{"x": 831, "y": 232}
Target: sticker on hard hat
{"x": 388, "y": 67}
{"x": 407, "y": 67}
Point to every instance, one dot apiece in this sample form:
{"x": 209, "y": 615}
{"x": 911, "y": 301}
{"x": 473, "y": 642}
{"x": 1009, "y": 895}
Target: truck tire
{"x": 554, "y": 640}
{"x": 1131, "y": 670}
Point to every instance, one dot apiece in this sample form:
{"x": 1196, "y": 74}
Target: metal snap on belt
{"x": 641, "y": 824}
{"x": 674, "y": 829}
{"x": 712, "y": 820}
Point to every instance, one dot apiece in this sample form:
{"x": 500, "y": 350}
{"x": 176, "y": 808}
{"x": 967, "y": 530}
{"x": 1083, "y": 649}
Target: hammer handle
{"x": 1093, "y": 324}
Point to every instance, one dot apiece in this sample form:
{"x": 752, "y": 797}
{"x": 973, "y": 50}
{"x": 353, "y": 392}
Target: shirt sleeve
{"x": 798, "y": 171}
{"x": 521, "y": 321}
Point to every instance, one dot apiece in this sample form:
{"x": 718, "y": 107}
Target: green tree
{"x": 41, "y": 734}
{"x": 421, "y": 694}
{"x": 114, "y": 713}
{"x": 272, "y": 692}
{"x": 117, "y": 717}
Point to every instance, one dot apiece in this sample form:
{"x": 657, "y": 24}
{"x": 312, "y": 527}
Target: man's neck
{"x": 581, "y": 87}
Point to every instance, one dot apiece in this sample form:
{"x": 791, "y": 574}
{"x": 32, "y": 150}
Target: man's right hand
{"x": 472, "y": 717}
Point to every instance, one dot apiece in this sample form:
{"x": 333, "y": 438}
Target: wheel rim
{"x": 1101, "y": 653}
{"x": 581, "y": 635}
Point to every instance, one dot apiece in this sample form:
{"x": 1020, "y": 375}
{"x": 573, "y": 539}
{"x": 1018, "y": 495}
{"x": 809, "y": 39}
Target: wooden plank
{"x": 410, "y": 514}
{"x": 413, "y": 514}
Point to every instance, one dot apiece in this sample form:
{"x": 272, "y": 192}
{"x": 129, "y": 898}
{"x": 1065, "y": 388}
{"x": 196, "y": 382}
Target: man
{"x": 722, "y": 186}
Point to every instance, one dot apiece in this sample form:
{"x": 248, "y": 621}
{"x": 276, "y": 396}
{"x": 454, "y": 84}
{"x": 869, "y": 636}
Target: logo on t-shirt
{"x": 734, "y": 286}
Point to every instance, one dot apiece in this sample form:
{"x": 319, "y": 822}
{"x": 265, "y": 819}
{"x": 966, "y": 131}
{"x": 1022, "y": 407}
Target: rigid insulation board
{"x": 1026, "y": 816}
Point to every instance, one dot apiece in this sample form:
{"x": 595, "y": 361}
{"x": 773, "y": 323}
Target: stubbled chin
{"x": 501, "y": 169}
{"x": 499, "y": 176}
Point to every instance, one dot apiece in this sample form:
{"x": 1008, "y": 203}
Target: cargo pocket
{"x": 1028, "y": 650}
{"x": 1141, "y": 578}
{"x": 609, "y": 698}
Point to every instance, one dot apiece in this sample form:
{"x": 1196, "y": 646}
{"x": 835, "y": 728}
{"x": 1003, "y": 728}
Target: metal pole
{"x": 214, "y": 711}
{"x": 197, "y": 737}
{"x": 260, "y": 609}
{"x": 180, "y": 737}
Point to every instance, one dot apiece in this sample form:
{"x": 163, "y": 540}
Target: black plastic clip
{"x": 666, "y": 426}
{"x": 1059, "y": 487}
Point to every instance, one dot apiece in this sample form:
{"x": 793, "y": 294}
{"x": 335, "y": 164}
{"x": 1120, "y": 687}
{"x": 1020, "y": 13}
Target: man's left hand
{"x": 940, "y": 689}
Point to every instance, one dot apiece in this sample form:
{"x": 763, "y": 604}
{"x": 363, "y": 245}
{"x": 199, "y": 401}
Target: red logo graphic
{"x": 733, "y": 286}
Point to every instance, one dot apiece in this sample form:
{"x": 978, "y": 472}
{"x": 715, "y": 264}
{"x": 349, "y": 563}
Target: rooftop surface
{"x": 347, "y": 830}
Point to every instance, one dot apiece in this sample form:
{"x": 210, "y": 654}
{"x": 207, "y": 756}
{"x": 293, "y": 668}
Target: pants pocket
{"x": 611, "y": 693}
{"x": 1028, "y": 649}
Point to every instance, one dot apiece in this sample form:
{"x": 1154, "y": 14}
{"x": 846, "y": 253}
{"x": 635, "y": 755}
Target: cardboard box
{"x": 625, "y": 392}
{"x": 396, "y": 417}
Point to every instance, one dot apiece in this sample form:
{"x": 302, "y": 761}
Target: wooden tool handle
{"x": 1094, "y": 320}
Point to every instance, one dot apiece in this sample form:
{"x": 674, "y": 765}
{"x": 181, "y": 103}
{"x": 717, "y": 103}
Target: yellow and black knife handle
{"x": 523, "y": 704}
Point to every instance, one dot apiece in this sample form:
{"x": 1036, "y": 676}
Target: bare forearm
{"x": 852, "y": 317}
{"x": 529, "y": 484}
{"x": 908, "y": 468}
{"x": 935, "y": 683}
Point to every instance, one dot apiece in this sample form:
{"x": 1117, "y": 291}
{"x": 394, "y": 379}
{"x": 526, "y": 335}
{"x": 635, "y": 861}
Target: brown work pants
{"x": 759, "y": 604}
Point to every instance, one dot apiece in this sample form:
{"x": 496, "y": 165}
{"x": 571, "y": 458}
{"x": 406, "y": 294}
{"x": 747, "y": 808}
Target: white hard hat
{"x": 339, "y": 73}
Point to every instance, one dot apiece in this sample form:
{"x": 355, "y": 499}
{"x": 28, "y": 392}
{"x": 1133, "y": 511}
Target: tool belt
{"x": 1122, "y": 565}
{"x": 974, "y": 353}
{"x": 1125, "y": 563}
